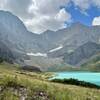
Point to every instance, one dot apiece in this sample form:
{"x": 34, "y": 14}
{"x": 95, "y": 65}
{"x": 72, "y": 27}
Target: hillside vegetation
{"x": 92, "y": 64}
{"x": 16, "y": 84}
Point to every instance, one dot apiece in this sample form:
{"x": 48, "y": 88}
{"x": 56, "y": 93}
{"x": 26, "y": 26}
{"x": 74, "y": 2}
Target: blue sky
{"x": 86, "y": 17}
{"x": 41, "y": 15}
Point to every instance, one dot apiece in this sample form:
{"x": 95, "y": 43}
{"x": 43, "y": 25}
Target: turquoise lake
{"x": 91, "y": 77}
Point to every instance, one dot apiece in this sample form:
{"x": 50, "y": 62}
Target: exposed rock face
{"x": 18, "y": 41}
{"x": 83, "y": 52}
{"x": 5, "y": 53}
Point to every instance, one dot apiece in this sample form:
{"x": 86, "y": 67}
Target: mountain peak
{"x": 77, "y": 24}
{"x": 10, "y": 21}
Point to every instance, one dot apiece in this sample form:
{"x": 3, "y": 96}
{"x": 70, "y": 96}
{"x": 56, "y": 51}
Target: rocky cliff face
{"x": 82, "y": 53}
{"x": 5, "y": 53}
{"x": 77, "y": 41}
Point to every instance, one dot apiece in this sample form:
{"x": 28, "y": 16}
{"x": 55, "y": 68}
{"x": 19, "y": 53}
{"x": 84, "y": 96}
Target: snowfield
{"x": 37, "y": 54}
{"x": 58, "y": 48}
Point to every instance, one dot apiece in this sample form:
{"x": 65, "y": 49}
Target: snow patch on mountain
{"x": 58, "y": 48}
{"x": 37, "y": 54}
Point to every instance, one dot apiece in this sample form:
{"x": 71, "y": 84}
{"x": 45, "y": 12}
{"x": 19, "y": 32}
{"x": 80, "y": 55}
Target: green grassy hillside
{"x": 92, "y": 64}
{"x": 63, "y": 67}
{"x": 16, "y": 84}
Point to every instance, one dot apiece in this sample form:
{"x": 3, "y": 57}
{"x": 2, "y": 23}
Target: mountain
{"x": 13, "y": 30}
{"x": 73, "y": 36}
{"x": 92, "y": 64}
{"x": 5, "y": 53}
{"x": 21, "y": 40}
{"x": 82, "y": 53}
{"x": 49, "y": 48}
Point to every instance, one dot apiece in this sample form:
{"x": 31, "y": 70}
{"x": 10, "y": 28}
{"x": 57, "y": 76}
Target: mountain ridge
{"x": 21, "y": 42}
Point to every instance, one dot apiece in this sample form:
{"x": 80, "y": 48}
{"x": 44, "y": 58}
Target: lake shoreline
{"x": 92, "y": 77}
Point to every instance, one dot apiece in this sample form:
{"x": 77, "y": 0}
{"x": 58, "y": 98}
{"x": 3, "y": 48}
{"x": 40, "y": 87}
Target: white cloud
{"x": 63, "y": 15}
{"x": 39, "y": 15}
{"x": 43, "y": 22}
{"x": 46, "y": 15}
{"x": 86, "y": 4}
{"x": 96, "y": 3}
{"x": 42, "y": 15}
{"x": 96, "y": 21}
{"x": 17, "y": 7}
{"x": 82, "y": 4}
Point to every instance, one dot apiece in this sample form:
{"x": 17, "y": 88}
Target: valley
{"x": 70, "y": 47}
{"x": 28, "y": 61}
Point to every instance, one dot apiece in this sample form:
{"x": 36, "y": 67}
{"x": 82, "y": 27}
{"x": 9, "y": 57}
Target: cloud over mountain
{"x": 39, "y": 15}
{"x": 42, "y": 15}
{"x": 96, "y": 21}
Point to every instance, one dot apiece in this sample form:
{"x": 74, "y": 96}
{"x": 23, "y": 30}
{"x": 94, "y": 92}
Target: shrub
{"x": 76, "y": 82}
